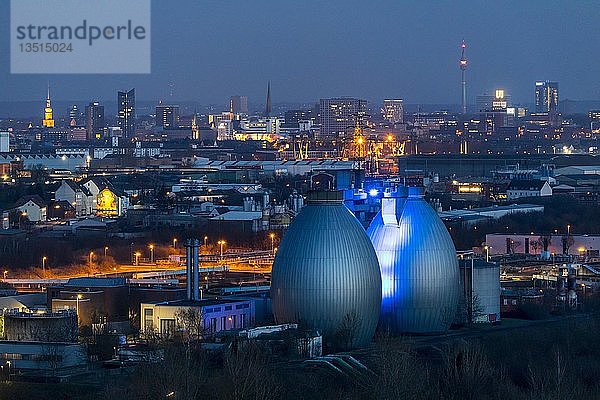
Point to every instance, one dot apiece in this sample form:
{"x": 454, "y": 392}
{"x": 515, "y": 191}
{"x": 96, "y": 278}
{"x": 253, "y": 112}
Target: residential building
{"x": 528, "y": 188}
{"x": 108, "y": 201}
{"x": 33, "y": 207}
{"x": 77, "y": 196}
{"x": 339, "y": 116}
{"x": 167, "y": 117}
{"x": 393, "y": 111}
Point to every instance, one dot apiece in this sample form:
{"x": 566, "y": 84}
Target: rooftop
{"x": 96, "y": 282}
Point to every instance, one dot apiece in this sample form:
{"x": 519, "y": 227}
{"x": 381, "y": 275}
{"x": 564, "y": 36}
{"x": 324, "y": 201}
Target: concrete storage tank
{"x": 480, "y": 281}
{"x": 326, "y": 274}
{"x": 419, "y": 269}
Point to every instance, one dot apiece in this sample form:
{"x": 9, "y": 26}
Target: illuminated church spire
{"x": 195, "y": 133}
{"x": 48, "y": 121}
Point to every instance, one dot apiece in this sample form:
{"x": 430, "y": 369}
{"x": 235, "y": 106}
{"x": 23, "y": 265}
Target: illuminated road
{"x": 258, "y": 262}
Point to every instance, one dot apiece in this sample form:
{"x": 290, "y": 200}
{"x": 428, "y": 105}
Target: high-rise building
{"x": 393, "y": 111}
{"x": 4, "y": 142}
{"x": 94, "y": 120}
{"x": 238, "y": 104}
{"x": 340, "y": 115}
{"x": 126, "y": 114}
{"x": 167, "y": 117}
{"x": 546, "y": 97}
{"x": 499, "y": 101}
{"x": 48, "y": 121}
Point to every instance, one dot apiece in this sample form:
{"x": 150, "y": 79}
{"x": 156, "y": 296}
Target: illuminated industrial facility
{"x": 419, "y": 269}
{"x": 326, "y": 273}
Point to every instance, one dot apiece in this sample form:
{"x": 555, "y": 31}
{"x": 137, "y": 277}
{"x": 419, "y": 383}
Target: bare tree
{"x": 535, "y": 245}
{"x": 567, "y": 241}
{"x": 475, "y": 309}
{"x": 513, "y": 245}
{"x": 249, "y": 375}
{"x": 178, "y": 380}
{"x": 191, "y": 320}
{"x": 545, "y": 241}
{"x": 348, "y": 329}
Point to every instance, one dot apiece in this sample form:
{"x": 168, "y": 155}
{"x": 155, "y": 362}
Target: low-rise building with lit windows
{"x": 214, "y": 315}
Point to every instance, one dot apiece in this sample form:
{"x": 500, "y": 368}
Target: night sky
{"x": 309, "y": 49}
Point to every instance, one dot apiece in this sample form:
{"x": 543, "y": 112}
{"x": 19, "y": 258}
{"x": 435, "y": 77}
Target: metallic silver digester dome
{"x": 326, "y": 274}
{"x": 419, "y": 268}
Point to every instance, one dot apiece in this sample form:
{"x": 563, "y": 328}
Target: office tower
{"x": 4, "y": 142}
{"x": 167, "y": 117}
{"x": 94, "y": 120}
{"x": 498, "y": 101}
{"x": 546, "y": 97}
{"x": 501, "y": 100}
{"x": 238, "y": 104}
{"x": 462, "y": 63}
{"x": 126, "y": 114}
{"x": 48, "y": 121}
{"x": 340, "y": 115}
{"x": 393, "y": 111}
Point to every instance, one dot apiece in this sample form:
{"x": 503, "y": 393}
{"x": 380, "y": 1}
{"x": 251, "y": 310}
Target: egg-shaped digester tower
{"x": 326, "y": 274}
{"x": 419, "y": 268}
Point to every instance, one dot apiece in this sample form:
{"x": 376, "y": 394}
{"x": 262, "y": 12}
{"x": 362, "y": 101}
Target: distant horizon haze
{"x": 206, "y": 51}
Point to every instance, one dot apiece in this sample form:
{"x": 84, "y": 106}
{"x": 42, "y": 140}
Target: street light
{"x": 174, "y": 243}
{"x": 221, "y": 243}
{"x": 151, "y": 254}
{"x": 79, "y": 296}
{"x": 205, "y": 241}
{"x": 23, "y": 214}
{"x": 487, "y": 253}
{"x": 137, "y": 255}
{"x": 569, "y": 230}
{"x": 272, "y": 236}
{"x": 105, "y": 251}
{"x": 5, "y": 273}
{"x": 91, "y": 257}
{"x": 44, "y": 263}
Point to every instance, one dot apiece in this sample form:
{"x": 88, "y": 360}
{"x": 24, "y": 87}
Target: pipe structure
{"x": 196, "y": 270}
{"x": 188, "y": 268}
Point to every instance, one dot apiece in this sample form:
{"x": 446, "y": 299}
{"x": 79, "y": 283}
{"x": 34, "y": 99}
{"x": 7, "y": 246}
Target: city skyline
{"x": 411, "y": 53}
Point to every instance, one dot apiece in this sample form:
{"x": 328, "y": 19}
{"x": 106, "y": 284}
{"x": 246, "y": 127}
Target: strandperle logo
{"x": 89, "y": 33}
{"x": 77, "y": 36}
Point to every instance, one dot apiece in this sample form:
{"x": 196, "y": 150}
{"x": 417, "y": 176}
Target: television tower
{"x": 268, "y": 103}
{"x": 463, "y": 66}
